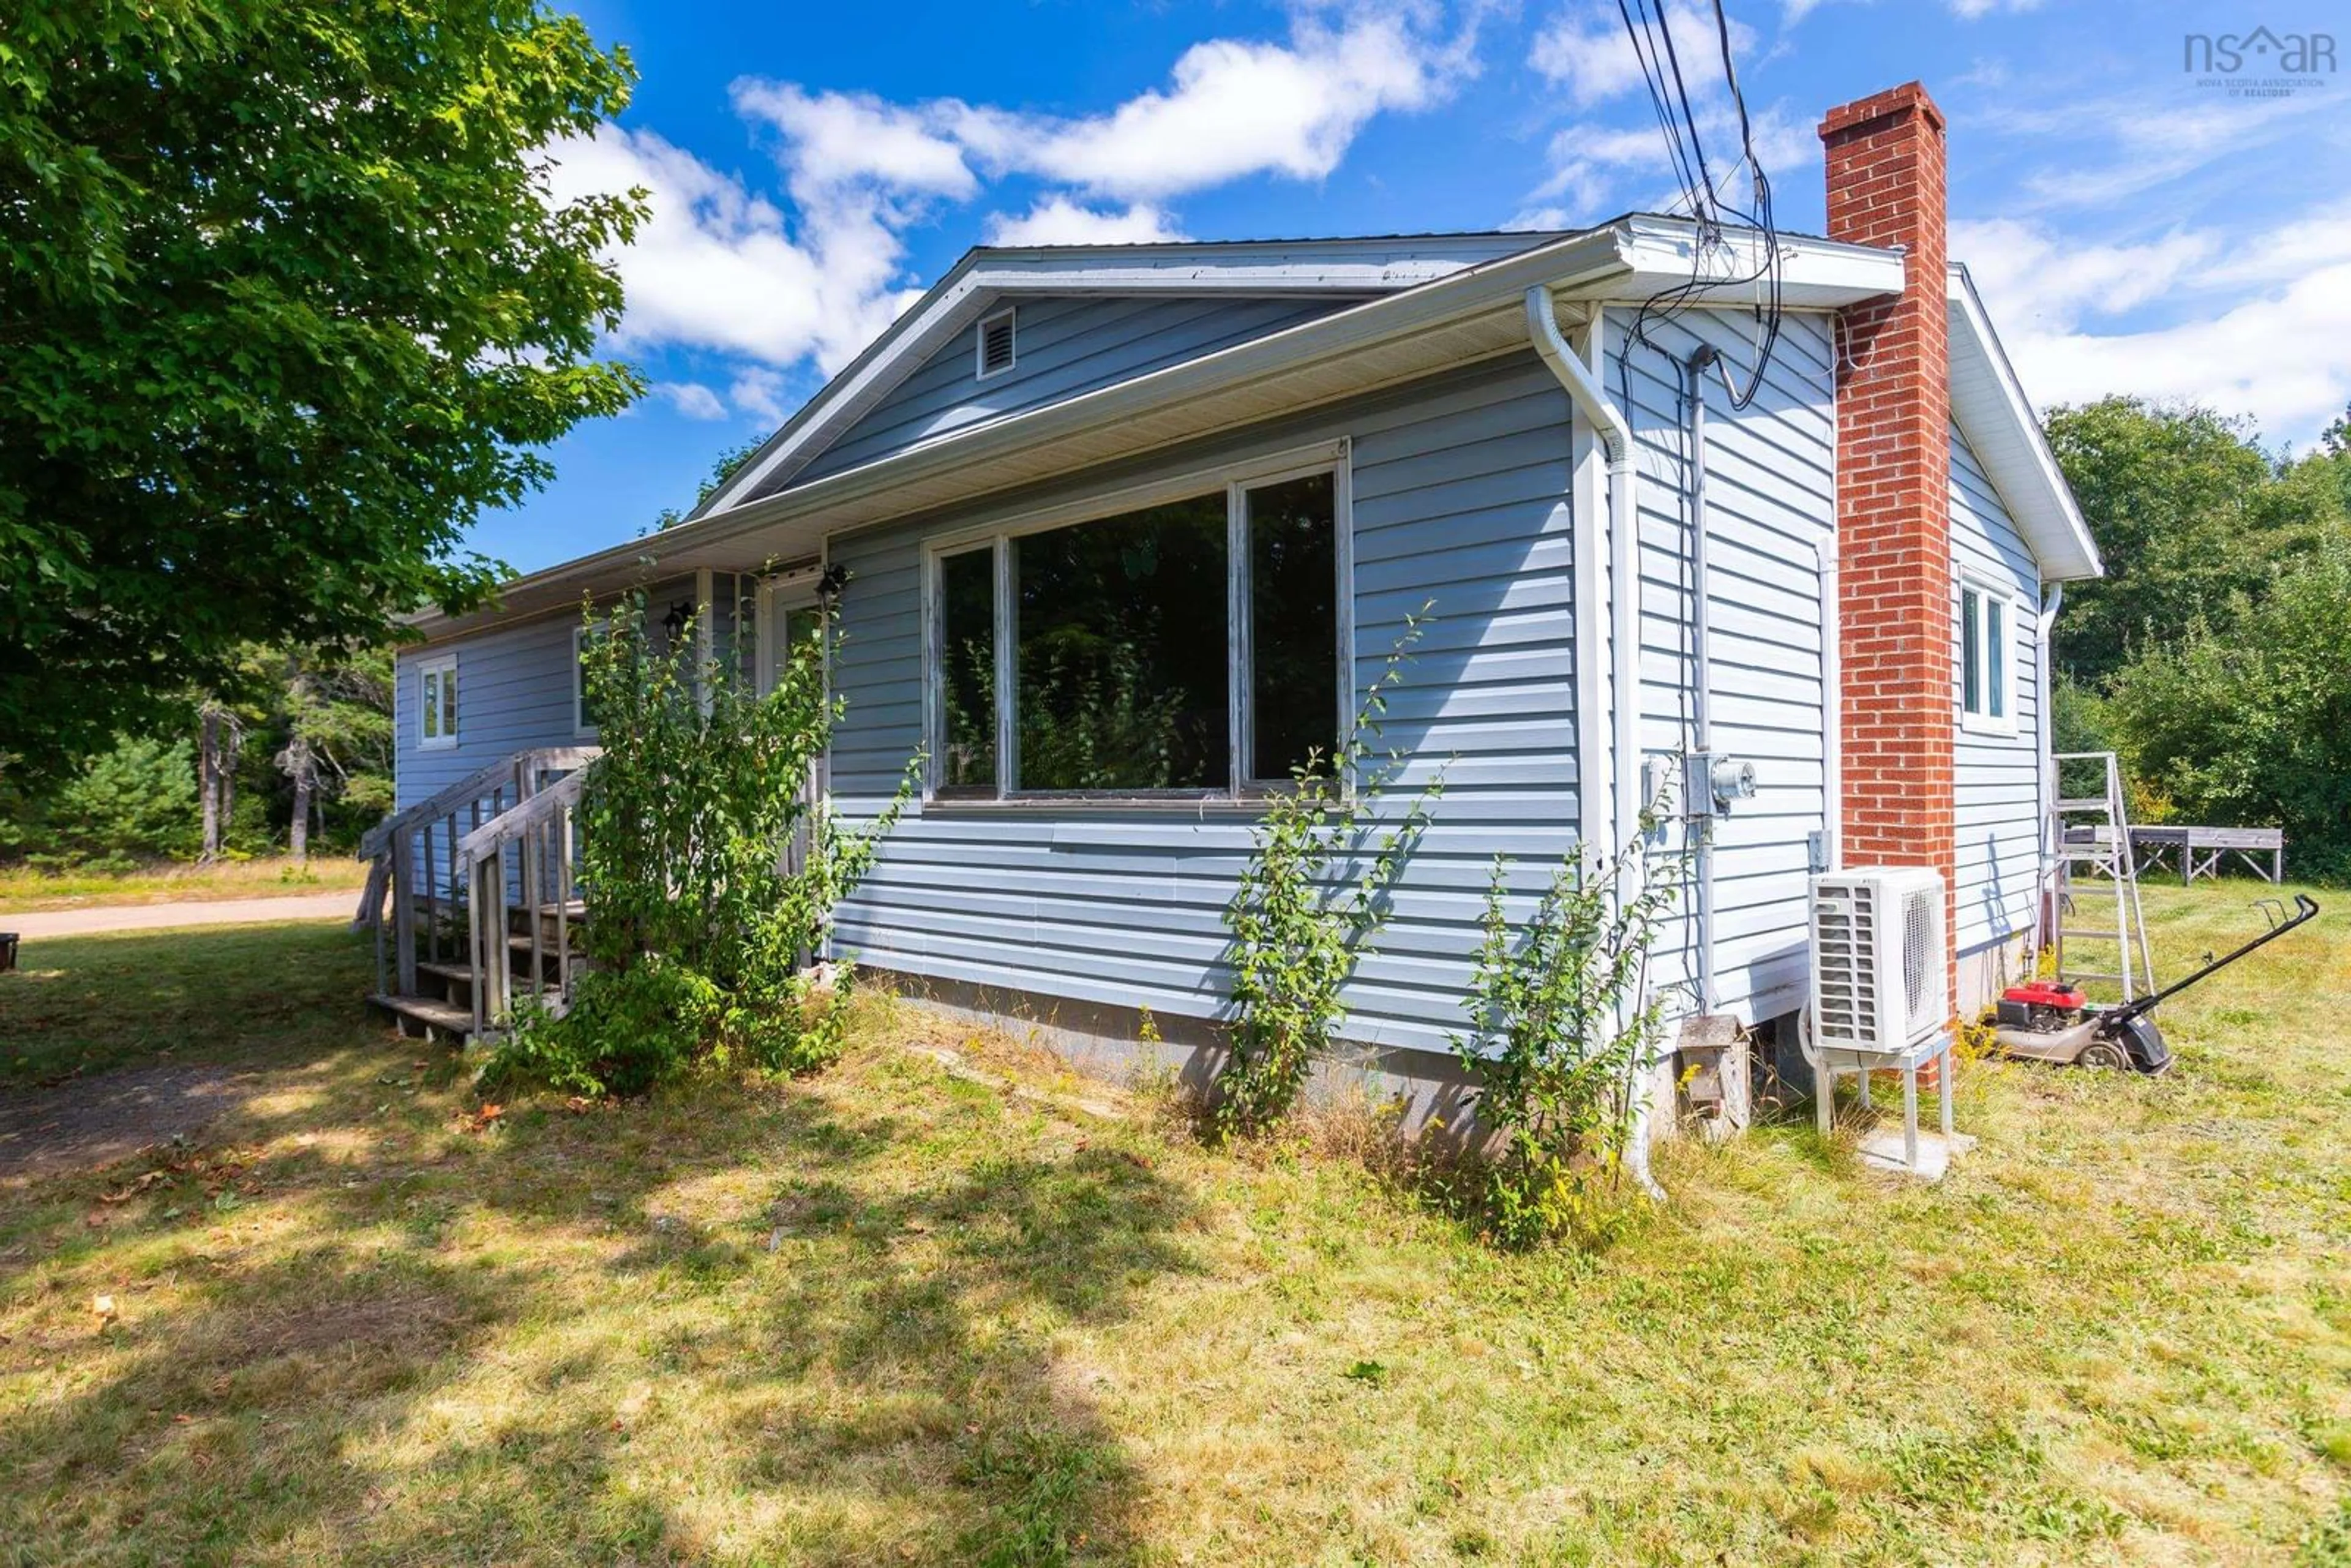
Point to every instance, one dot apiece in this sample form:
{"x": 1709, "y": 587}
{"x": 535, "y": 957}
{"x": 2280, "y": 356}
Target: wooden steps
{"x": 424, "y": 1017}
{"x": 442, "y": 1006}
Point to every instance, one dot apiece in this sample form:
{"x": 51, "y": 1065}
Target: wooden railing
{"x": 420, "y": 866}
{"x": 531, "y": 849}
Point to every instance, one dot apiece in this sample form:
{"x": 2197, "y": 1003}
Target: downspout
{"x": 1832, "y": 856}
{"x": 1584, "y": 390}
{"x": 2044, "y": 701}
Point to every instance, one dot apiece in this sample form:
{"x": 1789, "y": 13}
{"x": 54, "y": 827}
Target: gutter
{"x": 1615, "y": 432}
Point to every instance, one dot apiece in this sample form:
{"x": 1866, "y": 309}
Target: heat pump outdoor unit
{"x": 1878, "y": 981}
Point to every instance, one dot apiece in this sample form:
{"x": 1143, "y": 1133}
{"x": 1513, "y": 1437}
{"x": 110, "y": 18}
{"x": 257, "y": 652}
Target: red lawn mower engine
{"x": 2049, "y": 1021}
{"x": 2045, "y": 1006}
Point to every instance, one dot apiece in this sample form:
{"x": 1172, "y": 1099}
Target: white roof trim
{"x": 974, "y": 285}
{"x": 1989, "y": 404}
{"x": 1483, "y": 306}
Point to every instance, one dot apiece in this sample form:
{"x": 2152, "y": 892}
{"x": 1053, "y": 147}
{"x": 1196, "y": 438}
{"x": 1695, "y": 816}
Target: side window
{"x": 967, "y": 671}
{"x": 583, "y": 711}
{"x": 1987, "y": 659}
{"x": 436, "y": 704}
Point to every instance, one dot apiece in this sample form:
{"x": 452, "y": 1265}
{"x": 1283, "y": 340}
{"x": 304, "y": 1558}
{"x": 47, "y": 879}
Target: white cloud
{"x": 1233, "y": 109}
{"x": 718, "y": 268}
{"x": 1058, "y": 219}
{"x": 1598, "y": 170}
{"x": 2256, "y": 319}
{"x": 837, "y": 139}
{"x": 1975, "y": 10}
{"x": 815, "y": 275}
{"x": 692, "y": 399}
{"x": 758, "y": 393}
{"x": 2065, "y": 279}
{"x": 1588, "y": 51}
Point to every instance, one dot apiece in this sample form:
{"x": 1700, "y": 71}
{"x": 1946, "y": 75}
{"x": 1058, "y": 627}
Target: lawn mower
{"x": 2049, "y": 1021}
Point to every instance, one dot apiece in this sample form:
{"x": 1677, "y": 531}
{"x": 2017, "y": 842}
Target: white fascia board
{"x": 1990, "y": 406}
{"x": 1814, "y": 274}
{"x": 1570, "y": 265}
{"x": 1270, "y": 268}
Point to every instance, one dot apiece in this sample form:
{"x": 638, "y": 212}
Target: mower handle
{"x": 2304, "y": 908}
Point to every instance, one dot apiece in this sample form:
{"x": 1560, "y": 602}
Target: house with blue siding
{"x": 1116, "y": 535}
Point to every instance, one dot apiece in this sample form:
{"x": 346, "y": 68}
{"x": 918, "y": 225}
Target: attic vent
{"x": 996, "y": 342}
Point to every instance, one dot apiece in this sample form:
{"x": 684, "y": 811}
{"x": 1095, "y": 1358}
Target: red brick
{"x": 1886, "y": 187}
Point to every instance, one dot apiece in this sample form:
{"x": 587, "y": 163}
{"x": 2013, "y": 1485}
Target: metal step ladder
{"x": 2090, "y": 878}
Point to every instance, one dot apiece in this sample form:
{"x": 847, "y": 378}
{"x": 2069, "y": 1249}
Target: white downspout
{"x": 2046, "y": 701}
{"x": 1832, "y": 708}
{"x": 1584, "y": 390}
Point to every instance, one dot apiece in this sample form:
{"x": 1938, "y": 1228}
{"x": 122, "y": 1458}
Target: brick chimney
{"x": 1886, "y": 169}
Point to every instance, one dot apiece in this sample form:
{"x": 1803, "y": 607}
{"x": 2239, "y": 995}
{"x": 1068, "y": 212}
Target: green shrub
{"x": 1300, "y": 924}
{"x": 1562, "y": 1027}
{"x": 699, "y": 941}
{"x": 136, "y": 802}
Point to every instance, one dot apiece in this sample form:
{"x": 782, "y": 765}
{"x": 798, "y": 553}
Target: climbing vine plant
{"x": 709, "y": 867}
{"x": 1309, "y": 904}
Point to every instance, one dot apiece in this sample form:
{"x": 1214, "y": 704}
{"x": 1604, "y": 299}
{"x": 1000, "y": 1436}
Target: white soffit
{"x": 1990, "y": 406}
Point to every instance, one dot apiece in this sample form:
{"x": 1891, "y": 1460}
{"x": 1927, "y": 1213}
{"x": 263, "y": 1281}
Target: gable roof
{"x": 988, "y": 274}
{"x": 1416, "y": 330}
{"x": 2004, "y": 431}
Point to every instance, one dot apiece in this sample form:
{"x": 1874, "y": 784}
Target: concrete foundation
{"x": 1124, "y": 1046}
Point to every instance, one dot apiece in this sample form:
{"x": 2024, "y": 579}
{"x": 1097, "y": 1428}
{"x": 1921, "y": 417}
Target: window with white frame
{"x": 1190, "y": 646}
{"x": 436, "y": 702}
{"x": 1987, "y": 657}
{"x": 583, "y": 711}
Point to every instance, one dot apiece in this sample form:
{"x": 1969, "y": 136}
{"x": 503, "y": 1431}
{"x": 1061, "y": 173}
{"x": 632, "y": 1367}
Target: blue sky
{"x": 2134, "y": 226}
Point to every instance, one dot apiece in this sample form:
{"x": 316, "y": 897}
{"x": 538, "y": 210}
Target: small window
{"x": 996, "y": 347}
{"x": 967, "y": 663}
{"x": 583, "y": 713}
{"x": 1293, "y": 594}
{"x": 1987, "y": 659}
{"x": 436, "y": 705}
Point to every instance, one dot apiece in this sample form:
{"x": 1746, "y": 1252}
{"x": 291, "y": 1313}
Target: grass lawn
{"x": 901, "y": 1314}
{"x": 24, "y": 890}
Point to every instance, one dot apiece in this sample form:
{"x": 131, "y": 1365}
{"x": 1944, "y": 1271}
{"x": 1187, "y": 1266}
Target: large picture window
{"x": 1187, "y": 647}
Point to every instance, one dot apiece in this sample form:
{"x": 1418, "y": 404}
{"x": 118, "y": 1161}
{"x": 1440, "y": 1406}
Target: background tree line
{"x": 2215, "y": 655}
{"x": 291, "y": 754}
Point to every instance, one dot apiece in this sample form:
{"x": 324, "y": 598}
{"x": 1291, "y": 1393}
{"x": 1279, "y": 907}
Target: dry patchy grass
{"x": 946, "y": 1309}
{"x": 24, "y": 889}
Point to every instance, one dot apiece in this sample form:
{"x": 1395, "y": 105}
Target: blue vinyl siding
{"x": 1066, "y": 346}
{"x": 1771, "y": 488}
{"x": 1996, "y": 778}
{"x": 1460, "y": 488}
{"x": 513, "y": 692}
